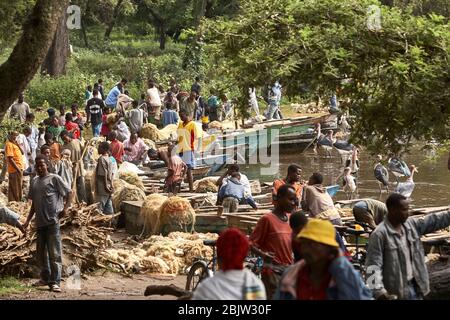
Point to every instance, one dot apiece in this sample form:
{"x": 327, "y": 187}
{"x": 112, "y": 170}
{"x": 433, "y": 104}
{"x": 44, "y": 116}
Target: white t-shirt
{"x": 153, "y": 97}
{"x": 231, "y": 285}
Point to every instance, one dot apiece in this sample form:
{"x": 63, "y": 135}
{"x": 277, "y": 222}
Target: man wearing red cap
{"x": 323, "y": 273}
{"x": 272, "y": 238}
{"x": 232, "y": 281}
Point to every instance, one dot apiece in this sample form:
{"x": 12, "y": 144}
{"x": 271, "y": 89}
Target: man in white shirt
{"x": 223, "y": 180}
{"x": 20, "y": 109}
{"x": 232, "y": 281}
{"x": 154, "y": 100}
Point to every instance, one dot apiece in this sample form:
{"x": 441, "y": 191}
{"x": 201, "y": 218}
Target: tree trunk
{"x": 30, "y": 50}
{"x": 56, "y": 59}
{"x": 199, "y": 11}
{"x": 83, "y": 25}
{"x": 113, "y": 20}
{"x": 83, "y": 31}
{"x": 162, "y": 37}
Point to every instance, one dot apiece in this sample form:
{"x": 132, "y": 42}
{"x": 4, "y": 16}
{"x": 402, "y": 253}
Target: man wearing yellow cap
{"x": 323, "y": 273}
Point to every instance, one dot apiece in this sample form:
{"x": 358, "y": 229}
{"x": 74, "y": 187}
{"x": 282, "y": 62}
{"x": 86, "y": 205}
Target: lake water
{"x": 432, "y": 182}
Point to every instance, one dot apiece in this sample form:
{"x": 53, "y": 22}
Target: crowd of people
{"x": 305, "y": 256}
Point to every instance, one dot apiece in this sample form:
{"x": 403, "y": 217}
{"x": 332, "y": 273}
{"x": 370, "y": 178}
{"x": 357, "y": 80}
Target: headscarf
{"x": 232, "y": 248}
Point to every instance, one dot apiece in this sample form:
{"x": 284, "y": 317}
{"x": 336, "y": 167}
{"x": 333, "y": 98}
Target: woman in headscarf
{"x": 232, "y": 281}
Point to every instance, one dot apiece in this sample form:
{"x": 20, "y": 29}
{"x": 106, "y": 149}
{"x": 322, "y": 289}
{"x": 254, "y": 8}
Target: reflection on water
{"x": 432, "y": 181}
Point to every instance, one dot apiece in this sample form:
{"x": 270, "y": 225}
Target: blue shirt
{"x": 169, "y": 117}
{"x": 111, "y": 99}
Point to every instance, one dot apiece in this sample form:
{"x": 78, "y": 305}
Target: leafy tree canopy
{"x": 394, "y": 75}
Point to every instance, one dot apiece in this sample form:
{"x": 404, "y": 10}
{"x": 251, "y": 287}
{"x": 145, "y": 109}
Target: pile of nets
{"x": 149, "y": 143}
{"x": 150, "y": 131}
{"x": 84, "y": 233}
{"x": 207, "y": 184}
{"x": 124, "y": 191}
{"x": 151, "y": 211}
{"x": 162, "y": 255}
{"x": 132, "y": 178}
{"x": 176, "y": 214}
{"x": 3, "y": 199}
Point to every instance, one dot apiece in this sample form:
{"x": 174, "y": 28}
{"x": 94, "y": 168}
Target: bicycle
{"x": 202, "y": 268}
{"x": 358, "y": 259}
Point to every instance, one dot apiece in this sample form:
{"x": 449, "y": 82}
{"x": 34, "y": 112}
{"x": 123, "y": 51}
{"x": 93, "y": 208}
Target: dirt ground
{"x": 103, "y": 286}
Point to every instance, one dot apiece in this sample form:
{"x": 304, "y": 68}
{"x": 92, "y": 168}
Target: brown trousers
{"x": 271, "y": 280}
{"x": 364, "y": 216}
{"x": 15, "y": 181}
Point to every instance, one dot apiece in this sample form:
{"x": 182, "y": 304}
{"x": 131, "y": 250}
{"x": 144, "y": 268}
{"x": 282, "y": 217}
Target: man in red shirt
{"x": 117, "y": 149}
{"x": 293, "y": 178}
{"x": 272, "y": 238}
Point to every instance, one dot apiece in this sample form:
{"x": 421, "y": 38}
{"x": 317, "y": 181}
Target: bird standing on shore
{"x": 381, "y": 174}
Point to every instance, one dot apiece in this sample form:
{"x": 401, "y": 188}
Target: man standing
{"x": 272, "y": 238}
{"x": 395, "y": 256}
{"x": 294, "y": 175}
{"x": 94, "y": 114}
{"x": 16, "y": 166}
{"x": 190, "y": 104}
{"x": 196, "y": 86}
{"x": 74, "y": 146}
{"x": 51, "y": 197}
{"x": 136, "y": 117}
{"x": 369, "y": 211}
{"x": 104, "y": 179}
{"x": 113, "y": 95}
{"x": 323, "y": 273}
{"x": 188, "y": 136}
{"x": 20, "y": 110}
{"x": 154, "y": 100}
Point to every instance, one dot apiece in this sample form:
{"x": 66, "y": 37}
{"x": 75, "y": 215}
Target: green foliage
{"x": 10, "y": 285}
{"x": 9, "y": 125}
{"x": 13, "y": 15}
{"x": 395, "y": 80}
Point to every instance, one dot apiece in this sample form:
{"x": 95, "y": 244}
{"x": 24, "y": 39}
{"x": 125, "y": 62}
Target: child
{"x": 41, "y": 137}
{"x": 54, "y": 147}
{"x": 55, "y": 129}
{"x": 32, "y": 143}
{"x": 72, "y": 127}
{"x": 234, "y": 192}
{"x": 176, "y": 169}
{"x": 62, "y": 114}
{"x": 117, "y": 150}
{"x": 51, "y": 164}
{"x": 64, "y": 167}
{"x": 104, "y": 179}
{"x": 105, "y": 128}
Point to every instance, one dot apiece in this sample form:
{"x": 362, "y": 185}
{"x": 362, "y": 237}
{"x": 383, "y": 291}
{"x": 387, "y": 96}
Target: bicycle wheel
{"x": 197, "y": 273}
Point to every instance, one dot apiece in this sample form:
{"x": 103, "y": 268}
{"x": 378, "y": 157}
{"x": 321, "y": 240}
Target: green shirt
{"x": 55, "y": 131}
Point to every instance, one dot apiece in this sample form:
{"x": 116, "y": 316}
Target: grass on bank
{"x": 10, "y": 285}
